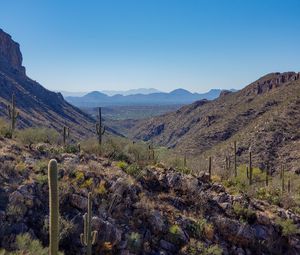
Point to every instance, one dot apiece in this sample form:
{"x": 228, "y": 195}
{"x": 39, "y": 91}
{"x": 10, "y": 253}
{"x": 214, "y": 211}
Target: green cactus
{"x": 100, "y": 130}
{"x": 151, "y": 155}
{"x": 209, "y": 168}
{"x": 12, "y": 114}
{"x": 267, "y": 177}
{"x": 289, "y": 185}
{"x": 88, "y": 237}
{"x": 250, "y": 168}
{"x": 66, "y": 134}
{"x": 184, "y": 160}
{"x": 235, "y": 165}
{"x": 53, "y": 207}
{"x": 282, "y": 180}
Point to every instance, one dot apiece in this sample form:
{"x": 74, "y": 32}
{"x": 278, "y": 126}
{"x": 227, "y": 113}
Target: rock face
{"x": 10, "y": 54}
{"x": 37, "y": 106}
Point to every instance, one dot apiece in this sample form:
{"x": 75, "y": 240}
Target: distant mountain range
{"x": 178, "y": 96}
{"x": 143, "y": 91}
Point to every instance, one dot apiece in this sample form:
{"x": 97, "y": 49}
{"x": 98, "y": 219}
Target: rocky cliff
{"x": 37, "y": 105}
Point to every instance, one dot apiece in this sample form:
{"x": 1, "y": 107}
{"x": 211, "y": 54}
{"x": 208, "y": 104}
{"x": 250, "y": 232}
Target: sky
{"x": 165, "y": 44}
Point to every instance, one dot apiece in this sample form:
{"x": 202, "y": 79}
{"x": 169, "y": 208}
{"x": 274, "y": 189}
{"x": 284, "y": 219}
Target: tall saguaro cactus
{"x": 209, "y": 168}
{"x": 12, "y": 114}
{"x": 66, "y": 134}
{"x": 235, "y": 165}
{"x": 250, "y": 168}
{"x": 88, "y": 237}
{"x": 100, "y": 130}
{"x": 53, "y": 207}
{"x": 282, "y": 180}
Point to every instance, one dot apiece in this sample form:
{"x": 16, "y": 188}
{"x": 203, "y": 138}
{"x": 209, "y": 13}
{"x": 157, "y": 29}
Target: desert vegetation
{"x": 123, "y": 180}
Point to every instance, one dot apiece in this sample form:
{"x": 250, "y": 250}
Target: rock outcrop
{"x": 10, "y": 54}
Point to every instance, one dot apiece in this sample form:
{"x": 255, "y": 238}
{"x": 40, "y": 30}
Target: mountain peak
{"x": 10, "y": 54}
{"x": 180, "y": 91}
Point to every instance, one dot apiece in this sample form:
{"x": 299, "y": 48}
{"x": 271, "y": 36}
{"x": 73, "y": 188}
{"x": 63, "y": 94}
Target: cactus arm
{"x": 53, "y": 207}
{"x": 94, "y": 237}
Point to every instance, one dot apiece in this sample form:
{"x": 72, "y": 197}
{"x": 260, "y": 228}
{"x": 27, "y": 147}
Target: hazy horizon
{"x": 117, "y": 45}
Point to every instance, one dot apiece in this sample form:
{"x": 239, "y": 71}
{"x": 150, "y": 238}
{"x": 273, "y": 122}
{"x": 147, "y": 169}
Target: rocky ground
{"x": 153, "y": 210}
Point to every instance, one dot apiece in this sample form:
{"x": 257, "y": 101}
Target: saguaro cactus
{"x": 267, "y": 177}
{"x": 151, "y": 155}
{"x": 100, "y": 130}
{"x": 66, "y": 134}
{"x": 88, "y": 237}
{"x": 209, "y": 168}
{"x": 289, "y": 185}
{"x": 282, "y": 180}
{"x": 184, "y": 160}
{"x": 250, "y": 168}
{"x": 53, "y": 207}
{"x": 12, "y": 114}
{"x": 235, "y": 165}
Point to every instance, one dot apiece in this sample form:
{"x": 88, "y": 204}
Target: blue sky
{"x": 194, "y": 44}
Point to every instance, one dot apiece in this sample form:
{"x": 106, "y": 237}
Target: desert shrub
{"x": 134, "y": 242}
{"x": 100, "y": 189}
{"x": 134, "y": 170}
{"x": 79, "y": 177}
{"x": 41, "y": 178}
{"x": 4, "y": 128}
{"x": 87, "y": 183}
{"x": 288, "y": 227}
{"x": 41, "y": 166}
{"x": 122, "y": 164}
{"x": 71, "y": 148}
{"x": 31, "y": 136}
{"x": 137, "y": 152}
{"x": 90, "y": 146}
{"x": 243, "y": 213}
{"x": 200, "y": 228}
{"x": 20, "y": 167}
{"x": 114, "y": 148}
{"x": 272, "y": 195}
{"x": 240, "y": 183}
{"x": 197, "y": 247}
{"x": 26, "y": 245}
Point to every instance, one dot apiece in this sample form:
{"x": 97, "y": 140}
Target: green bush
{"x": 26, "y": 245}
{"x": 71, "y": 148}
{"x": 288, "y": 227}
{"x": 244, "y": 213}
{"x": 30, "y": 136}
{"x": 134, "y": 242}
{"x": 122, "y": 164}
{"x": 90, "y": 146}
{"x": 4, "y": 128}
{"x": 134, "y": 170}
{"x": 197, "y": 248}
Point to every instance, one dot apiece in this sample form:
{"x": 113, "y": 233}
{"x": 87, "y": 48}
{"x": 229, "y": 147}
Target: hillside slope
{"x": 37, "y": 105}
{"x": 156, "y": 210}
{"x": 265, "y": 116}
